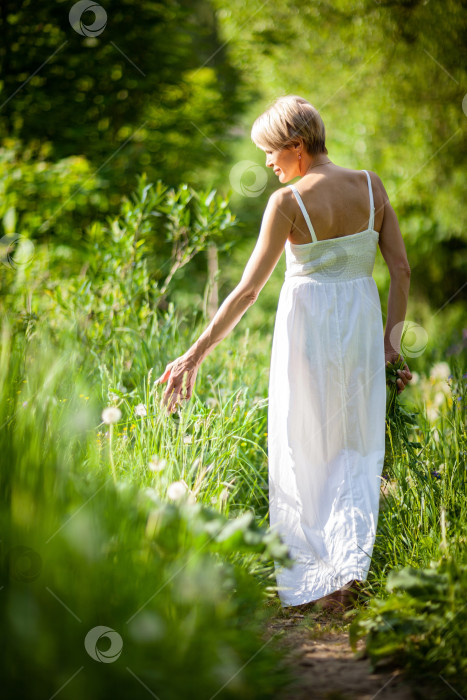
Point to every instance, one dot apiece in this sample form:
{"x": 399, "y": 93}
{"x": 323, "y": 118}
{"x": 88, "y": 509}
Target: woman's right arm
{"x": 393, "y": 251}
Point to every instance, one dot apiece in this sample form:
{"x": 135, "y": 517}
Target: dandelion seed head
{"x": 111, "y": 414}
{"x": 140, "y": 410}
{"x": 176, "y": 490}
{"x": 156, "y": 465}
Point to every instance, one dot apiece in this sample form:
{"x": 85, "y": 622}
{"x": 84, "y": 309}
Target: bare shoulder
{"x": 379, "y": 190}
{"x": 283, "y": 199}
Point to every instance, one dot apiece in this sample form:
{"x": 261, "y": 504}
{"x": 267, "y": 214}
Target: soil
{"x": 323, "y": 664}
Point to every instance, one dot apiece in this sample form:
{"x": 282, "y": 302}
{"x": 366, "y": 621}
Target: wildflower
{"x": 435, "y": 474}
{"x": 432, "y": 413}
{"x": 113, "y": 396}
{"x": 176, "y": 490}
{"x": 111, "y": 415}
{"x": 188, "y": 439}
{"x": 140, "y": 410}
{"x": 25, "y": 403}
{"x": 152, "y": 494}
{"x": 415, "y": 378}
{"x": 211, "y": 402}
{"x": 179, "y": 489}
{"x": 440, "y": 371}
{"x": 156, "y": 464}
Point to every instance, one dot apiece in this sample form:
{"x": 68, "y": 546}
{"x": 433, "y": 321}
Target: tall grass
{"x": 132, "y": 557}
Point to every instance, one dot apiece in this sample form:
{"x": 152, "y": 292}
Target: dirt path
{"x": 324, "y": 666}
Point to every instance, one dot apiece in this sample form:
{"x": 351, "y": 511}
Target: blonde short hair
{"x": 288, "y": 119}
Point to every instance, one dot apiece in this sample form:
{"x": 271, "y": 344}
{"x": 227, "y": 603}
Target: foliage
{"x": 170, "y": 576}
{"x": 46, "y": 200}
{"x": 421, "y": 626}
{"x": 153, "y": 526}
{"x": 419, "y": 567}
{"x": 150, "y": 89}
{"x": 120, "y": 285}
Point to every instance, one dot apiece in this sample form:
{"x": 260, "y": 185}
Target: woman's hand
{"x": 180, "y": 376}
{"x": 405, "y": 375}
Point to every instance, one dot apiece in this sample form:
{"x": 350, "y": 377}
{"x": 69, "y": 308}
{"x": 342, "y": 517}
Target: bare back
{"x": 338, "y": 204}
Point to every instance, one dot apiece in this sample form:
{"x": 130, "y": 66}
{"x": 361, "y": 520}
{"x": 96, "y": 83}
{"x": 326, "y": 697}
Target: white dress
{"x": 327, "y": 409}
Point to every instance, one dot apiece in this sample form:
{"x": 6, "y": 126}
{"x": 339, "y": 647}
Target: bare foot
{"x": 341, "y": 600}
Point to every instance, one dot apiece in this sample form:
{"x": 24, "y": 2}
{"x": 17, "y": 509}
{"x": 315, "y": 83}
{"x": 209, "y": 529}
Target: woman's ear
{"x": 298, "y": 146}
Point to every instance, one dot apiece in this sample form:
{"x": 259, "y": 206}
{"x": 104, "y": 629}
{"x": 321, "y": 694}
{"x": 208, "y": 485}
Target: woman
{"x": 327, "y": 387}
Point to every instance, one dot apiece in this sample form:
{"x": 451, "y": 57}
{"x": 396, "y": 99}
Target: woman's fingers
{"x": 405, "y": 376}
{"x": 164, "y": 376}
{"x": 180, "y": 376}
{"x": 175, "y": 392}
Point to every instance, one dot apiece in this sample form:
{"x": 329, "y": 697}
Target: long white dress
{"x": 327, "y": 408}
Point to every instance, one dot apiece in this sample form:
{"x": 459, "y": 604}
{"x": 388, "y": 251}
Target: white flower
{"x": 176, "y": 490}
{"x": 440, "y": 371}
{"x": 113, "y": 396}
{"x": 111, "y": 414}
{"x": 438, "y": 398}
{"x": 188, "y": 439}
{"x": 432, "y": 413}
{"x": 152, "y": 494}
{"x": 211, "y": 402}
{"x": 140, "y": 410}
{"x": 156, "y": 464}
{"x": 415, "y": 378}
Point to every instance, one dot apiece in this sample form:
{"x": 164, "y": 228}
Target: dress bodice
{"x": 335, "y": 259}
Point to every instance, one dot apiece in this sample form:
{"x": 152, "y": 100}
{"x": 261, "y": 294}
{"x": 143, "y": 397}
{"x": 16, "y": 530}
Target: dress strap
{"x": 371, "y": 222}
{"x": 304, "y": 212}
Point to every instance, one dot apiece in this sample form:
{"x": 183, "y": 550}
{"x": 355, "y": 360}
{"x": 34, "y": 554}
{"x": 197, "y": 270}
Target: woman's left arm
{"x": 277, "y": 220}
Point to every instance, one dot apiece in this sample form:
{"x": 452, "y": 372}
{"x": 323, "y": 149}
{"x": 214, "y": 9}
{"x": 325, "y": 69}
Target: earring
{"x": 299, "y": 163}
